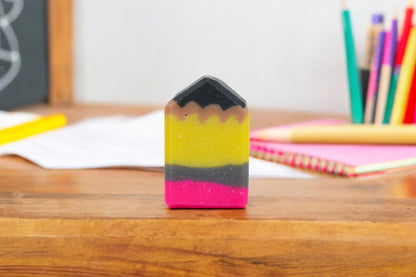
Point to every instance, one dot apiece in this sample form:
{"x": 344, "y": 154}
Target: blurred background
{"x": 277, "y": 54}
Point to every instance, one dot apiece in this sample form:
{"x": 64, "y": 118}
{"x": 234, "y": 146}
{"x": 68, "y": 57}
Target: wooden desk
{"x": 113, "y": 222}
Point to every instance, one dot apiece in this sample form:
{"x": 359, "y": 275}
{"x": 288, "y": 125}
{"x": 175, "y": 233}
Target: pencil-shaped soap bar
{"x": 206, "y": 147}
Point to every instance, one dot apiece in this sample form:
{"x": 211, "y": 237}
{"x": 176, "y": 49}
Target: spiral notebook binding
{"x": 302, "y": 161}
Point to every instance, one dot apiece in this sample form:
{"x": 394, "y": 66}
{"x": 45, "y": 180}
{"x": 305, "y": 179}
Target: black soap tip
{"x": 209, "y": 90}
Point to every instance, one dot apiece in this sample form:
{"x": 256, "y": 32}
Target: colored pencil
{"x": 393, "y": 77}
{"x": 405, "y": 80}
{"x": 353, "y": 78}
{"x": 413, "y": 94}
{"x": 31, "y": 128}
{"x": 386, "y": 72}
{"x": 374, "y": 78}
{"x": 401, "y": 47}
{"x": 411, "y": 102}
{"x": 405, "y": 32}
{"x": 341, "y": 134}
{"x": 391, "y": 95}
{"x": 371, "y": 39}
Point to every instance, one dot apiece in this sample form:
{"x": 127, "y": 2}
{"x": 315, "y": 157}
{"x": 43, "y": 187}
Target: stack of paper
{"x": 115, "y": 141}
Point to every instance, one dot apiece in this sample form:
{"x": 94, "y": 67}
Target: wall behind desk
{"x": 276, "y": 54}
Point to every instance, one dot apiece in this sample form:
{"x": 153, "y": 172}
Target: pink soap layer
{"x": 192, "y": 194}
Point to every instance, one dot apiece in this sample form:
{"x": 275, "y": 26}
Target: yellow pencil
{"x": 34, "y": 127}
{"x": 405, "y": 80}
{"x": 342, "y": 134}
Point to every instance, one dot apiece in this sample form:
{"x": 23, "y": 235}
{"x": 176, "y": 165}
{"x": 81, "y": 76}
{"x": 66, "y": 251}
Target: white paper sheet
{"x": 10, "y": 119}
{"x": 116, "y": 141}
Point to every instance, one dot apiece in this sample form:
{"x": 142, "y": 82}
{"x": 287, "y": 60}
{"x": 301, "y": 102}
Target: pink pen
{"x": 373, "y": 83}
{"x": 384, "y": 82}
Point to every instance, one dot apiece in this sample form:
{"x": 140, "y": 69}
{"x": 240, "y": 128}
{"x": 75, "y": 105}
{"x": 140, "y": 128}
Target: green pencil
{"x": 357, "y": 110}
{"x": 390, "y": 96}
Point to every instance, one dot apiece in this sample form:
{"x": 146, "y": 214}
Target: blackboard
{"x": 23, "y": 52}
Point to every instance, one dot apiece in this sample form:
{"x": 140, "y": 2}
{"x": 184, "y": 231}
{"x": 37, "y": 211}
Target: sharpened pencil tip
{"x": 395, "y": 13}
{"x": 410, "y": 3}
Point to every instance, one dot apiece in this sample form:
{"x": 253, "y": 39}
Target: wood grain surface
{"x": 114, "y": 222}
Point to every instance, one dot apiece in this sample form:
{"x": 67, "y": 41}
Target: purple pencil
{"x": 373, "y": 83}
{"x": 377, "y": 25}
{"x": 386, "y": 72}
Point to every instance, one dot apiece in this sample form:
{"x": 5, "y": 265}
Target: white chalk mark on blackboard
{"x": 11, "y": 55}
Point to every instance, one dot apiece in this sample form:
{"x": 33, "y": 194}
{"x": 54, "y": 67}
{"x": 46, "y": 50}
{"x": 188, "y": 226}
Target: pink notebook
{"x": 346, "y": 159}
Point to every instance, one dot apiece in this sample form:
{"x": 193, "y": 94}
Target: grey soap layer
{"x": 230, "y": 175}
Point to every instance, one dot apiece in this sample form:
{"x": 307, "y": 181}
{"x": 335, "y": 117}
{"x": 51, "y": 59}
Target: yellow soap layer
{"x": 190, "y": 142}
